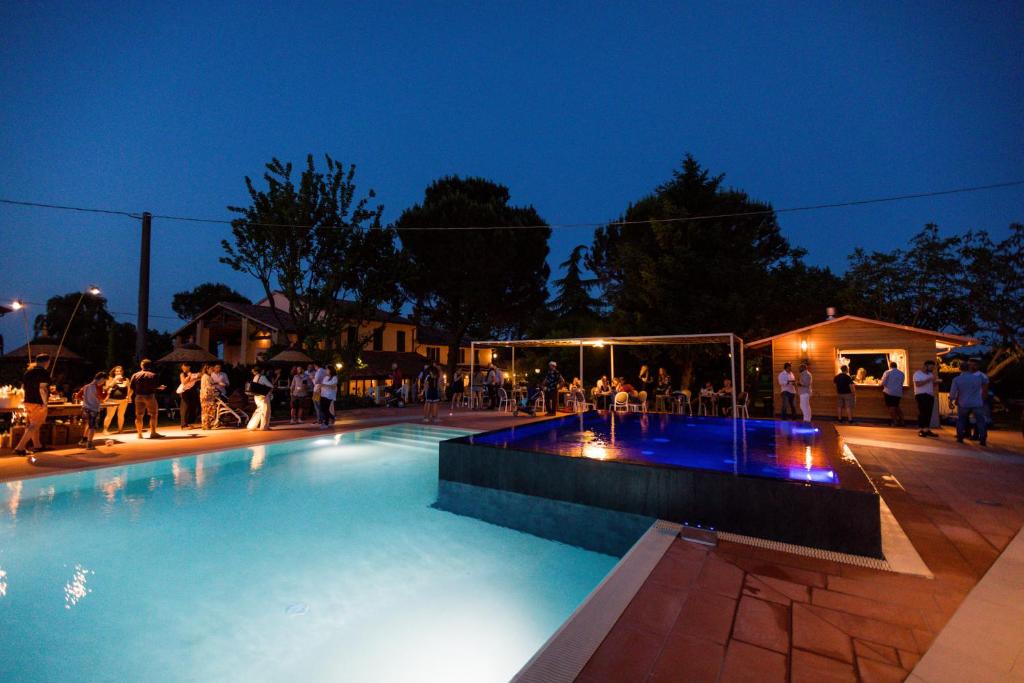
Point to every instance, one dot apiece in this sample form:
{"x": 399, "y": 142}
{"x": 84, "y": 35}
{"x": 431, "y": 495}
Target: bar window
{"x": 868, "y": 365}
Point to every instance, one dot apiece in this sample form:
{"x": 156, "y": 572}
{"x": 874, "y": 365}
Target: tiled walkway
{"x": 738, "y": 613}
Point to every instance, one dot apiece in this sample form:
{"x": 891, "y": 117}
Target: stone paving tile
{"x": 872, "y": 671}
{"x": 762, "y": 623}
{"x": 685, "y": 658}
{"x": 627, "y": 654}
{"x": 778, "y": 570}
{"x": 853, "y": 604}
{"x": 908, "y": 660}
{"x": 880, "y": 653}
{"x": 677, "y": 571}
{"x": 813, "y": 633}
{"x": 721, "y": 577}
{"x": 894, "y": 589}
{"x": 706, "y": 615}
{"x": 654, "y": 608}
{"x": 807, "y": 667}
{"x": 777, "y": 590}
{"x": 749, "y": 663}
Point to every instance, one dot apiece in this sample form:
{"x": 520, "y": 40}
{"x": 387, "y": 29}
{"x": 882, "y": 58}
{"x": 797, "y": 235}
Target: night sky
{"x": 578, "y": 109}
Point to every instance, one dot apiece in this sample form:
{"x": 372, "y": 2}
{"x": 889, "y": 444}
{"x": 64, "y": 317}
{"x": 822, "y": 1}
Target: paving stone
{"x": 811, "y": 632}
{"x": 873, "y": 630}
{"x": 627, "y": 654}
{"x": 853, "y": 604}
{"x": 908, "y": 660}
{"x": 654, "y": 608}
{"x": 880, "y": 653}
{"x": 721, "y": 577}
{"x": 749, "y": 663}
{"x": 877, "y": 672}
{"x": 808, "y": 667}
{"x": 677, "y": 571}
{"x": 777, "y": 590}
{"x": 685, "y": 658}
{"x": 706, "y": 615}
{"x": 762, "y": 623}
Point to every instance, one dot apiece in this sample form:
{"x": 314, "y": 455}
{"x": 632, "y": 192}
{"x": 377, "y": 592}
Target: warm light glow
{"x": 598, "y": 344}
{"x": 803, "y": 344}
{"x": 595, "y": 450}
{"x": 537, "y": 370}
{"x": 17, "y": 305}
{"x": 808, "y": 459}
{"x": 337, "y": 366}
{"x": 94, "y": 290}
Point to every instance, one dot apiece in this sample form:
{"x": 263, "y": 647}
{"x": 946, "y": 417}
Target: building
{"x": 867, "y": 346}
{"x": 242, "y": 334}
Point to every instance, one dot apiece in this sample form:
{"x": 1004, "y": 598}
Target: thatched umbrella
{"x": 41, "y": 345}
{"x": 189, "y": 353}
{"x": 290, "y": 356}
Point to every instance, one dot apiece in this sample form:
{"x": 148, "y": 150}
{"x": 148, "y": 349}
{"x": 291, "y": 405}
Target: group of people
{"x": 198, "y": 393}
{"x": 967, "y": 395}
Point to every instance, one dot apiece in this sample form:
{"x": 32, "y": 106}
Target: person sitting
{"x": 663, "y": 388}
{"x": 602, "y": 391}
{"x": 708, "y": 399}
{"x": 723, "y": 397}
{"x": 528, "y": 402}
{"x": 576, "y": 394}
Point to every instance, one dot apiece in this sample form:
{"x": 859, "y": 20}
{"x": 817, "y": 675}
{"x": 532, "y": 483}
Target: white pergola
{"x": 611, "y": 342}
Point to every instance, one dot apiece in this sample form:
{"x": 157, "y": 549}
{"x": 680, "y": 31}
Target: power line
{"x": 792, "y": 209}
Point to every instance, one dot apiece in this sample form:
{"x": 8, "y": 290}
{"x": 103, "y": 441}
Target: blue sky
{"x": 578, "y": 107}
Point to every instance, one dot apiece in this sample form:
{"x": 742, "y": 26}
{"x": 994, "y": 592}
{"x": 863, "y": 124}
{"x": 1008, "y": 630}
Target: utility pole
{"x": 142, "y": 323}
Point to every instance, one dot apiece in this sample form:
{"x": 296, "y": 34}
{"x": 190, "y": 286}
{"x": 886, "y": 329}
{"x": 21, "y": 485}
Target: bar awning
{"x": 646, "y": 340}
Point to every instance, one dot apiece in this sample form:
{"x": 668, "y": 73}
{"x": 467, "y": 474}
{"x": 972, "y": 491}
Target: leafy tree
{"x": 190, "y": 303}
{"x": 993, "y": 291}
{"x": 917, "y": 286}
{"x": 320, "y": 246}
{"x": 575, "y": 311}
{"x": 89, "y": 330}
{"x": 478, "y": 282}
{"x": 694, "y": 256}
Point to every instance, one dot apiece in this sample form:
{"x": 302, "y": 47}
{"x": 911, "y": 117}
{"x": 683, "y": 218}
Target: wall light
{"x": 803, "y": 345}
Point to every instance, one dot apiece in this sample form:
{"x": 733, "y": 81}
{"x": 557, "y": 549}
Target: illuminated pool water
{"x": 794, "y": 451}
{"x": 313, "y": 560}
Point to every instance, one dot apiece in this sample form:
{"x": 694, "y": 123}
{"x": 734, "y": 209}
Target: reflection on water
{"x": 781, "y": 450}
{"x": 75, "y": 589}
{"x": 3, "y": 583}
{"x": 259, "y": 457}
{"x": 14, "y": 497}
{"x": 110, "y": 486}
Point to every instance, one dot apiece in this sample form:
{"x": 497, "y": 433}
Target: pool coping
{"x": 563, "y": 656}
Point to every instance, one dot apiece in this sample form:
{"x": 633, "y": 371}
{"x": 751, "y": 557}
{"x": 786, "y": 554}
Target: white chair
{"x": 742, "y": 405}
{"x": 621, "y": 402}
{"x": 683, "y": 405}
{"x": 643, "y": 402}
{"x": 505, "y": 404}
{"x": 538, "y": 405}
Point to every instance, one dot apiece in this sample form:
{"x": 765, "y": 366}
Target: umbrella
{"x": 189, "y": 353}
{"x": 291, "y": 357}
{"x": 42, "y": 345}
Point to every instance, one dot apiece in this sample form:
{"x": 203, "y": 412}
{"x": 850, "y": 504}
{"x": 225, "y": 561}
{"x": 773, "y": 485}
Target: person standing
{"x": 220, "y": 380}
{"x": 646, "y": 380}
{"x": 787, "y": 390}
{"x": 208, "y": 398}
{"x": 316, "y": 374}
{"x": 261, "y": 388}
{"x": 327, "y": 389}
{"x": 924, "y": 395}
{"x": 142, "y": 388}
{"x": 804, "y": 390}
{"x": 492, "y": 383}
{"x": 550, "y": 385}
{"x": 457, "y": 388}
{"x": 36, "y": 385}
{"x": 92, "y": 396}
{"x": 968, "y": 395}
{"x": 188, "y": 392}
{"x": 431, "y": 393}
{"x": 846, "y": 396}
{"x": 117, "y": 399}
{"x": 298, "y": 392}
{"x": 892, "y": 393}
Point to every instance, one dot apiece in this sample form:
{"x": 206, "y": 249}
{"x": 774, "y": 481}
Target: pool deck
{"x": 735, "y": 612}
{"x": 739, "y": 613}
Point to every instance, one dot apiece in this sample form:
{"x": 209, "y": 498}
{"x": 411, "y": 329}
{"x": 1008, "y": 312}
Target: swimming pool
{"x": 319, "y": 559}
{"x": 782, "y": 481}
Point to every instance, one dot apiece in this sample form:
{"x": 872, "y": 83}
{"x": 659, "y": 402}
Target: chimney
{"x": 830, "y": 313}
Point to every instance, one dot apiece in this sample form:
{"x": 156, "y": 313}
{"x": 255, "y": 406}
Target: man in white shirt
{"x": 924, "y": 394}
{"x": 892, "y": 393}
{"x": 787, "y": 389}
{"x": 804, "y": 390}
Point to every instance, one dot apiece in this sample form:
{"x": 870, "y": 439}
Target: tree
{"x": 89, "y": 331}
{"x": 918, "y": 286}
{"x": 478, "y": 282}
{"x": 574, "y": 311}
{"x": 696, "y": 257}
{"x": 190, "y": 303}
{"x": 993, "y": 290}
{"x": 322, "y": 248}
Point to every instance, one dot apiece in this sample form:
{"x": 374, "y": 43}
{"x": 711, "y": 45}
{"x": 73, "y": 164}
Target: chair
{"x": 237, "y": 413}
{"x": 742, "y": 405}
{"x": 683, "y": 404}
{"x": 621, "y": 402}
{"x": 538, "y": 405}
{"x": 505, "y": 404}
{"x": 643, "y": 402}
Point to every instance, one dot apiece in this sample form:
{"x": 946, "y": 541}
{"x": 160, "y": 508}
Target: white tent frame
{"x": 729, "y": 338}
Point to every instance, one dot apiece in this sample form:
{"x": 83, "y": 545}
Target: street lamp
{"x": 91, "y": 289}
{"x": 19, "y": 306}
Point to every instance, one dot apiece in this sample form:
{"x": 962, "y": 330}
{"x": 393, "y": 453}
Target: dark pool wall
{"x": 819, "y": 516}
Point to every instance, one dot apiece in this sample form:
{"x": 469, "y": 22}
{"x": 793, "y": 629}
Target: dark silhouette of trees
{"x": 190, "y": 303}
{"x": 473, "y": 282}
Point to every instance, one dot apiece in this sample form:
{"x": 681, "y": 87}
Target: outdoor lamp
{"x": 17, "y": 305}
{"x": 337, "y": 366}
{"x": 94, "y": 290}
{"x": 803, "y": 345}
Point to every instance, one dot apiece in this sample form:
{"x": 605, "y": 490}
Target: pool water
{"x": 764, "y": 448}
{"x": 313, "y": 560}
